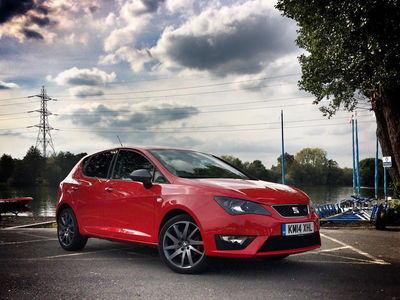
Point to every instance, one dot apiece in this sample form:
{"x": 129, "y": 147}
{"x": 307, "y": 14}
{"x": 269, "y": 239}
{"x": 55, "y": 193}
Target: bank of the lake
{"x": 45, "y": 197}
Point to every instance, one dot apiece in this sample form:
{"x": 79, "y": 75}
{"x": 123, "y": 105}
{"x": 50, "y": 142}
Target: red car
{"x": 190, "y": 204}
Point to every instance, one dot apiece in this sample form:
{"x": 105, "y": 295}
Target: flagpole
{"x": 283, "y": 150}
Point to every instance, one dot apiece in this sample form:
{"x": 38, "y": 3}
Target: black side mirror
{"x": 142, "y": 175}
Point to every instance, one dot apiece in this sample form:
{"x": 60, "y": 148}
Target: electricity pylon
{"x": 44, "y": 135}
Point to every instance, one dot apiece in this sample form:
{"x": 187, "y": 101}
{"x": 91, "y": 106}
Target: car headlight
{"x": 235, "y": 206}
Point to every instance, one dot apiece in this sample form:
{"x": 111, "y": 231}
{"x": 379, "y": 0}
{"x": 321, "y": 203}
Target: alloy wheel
{"x": 182, "y": 245}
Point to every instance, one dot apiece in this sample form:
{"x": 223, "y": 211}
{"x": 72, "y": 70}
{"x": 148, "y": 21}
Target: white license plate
{"x": 297, "y": 228}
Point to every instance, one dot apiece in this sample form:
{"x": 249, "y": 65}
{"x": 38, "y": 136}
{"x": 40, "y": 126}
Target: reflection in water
{"x": 45, "y": 197}
{"x": 331, "y": 194}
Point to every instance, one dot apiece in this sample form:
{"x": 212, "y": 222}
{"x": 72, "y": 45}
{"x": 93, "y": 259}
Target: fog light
{"x": 233, "y": 242}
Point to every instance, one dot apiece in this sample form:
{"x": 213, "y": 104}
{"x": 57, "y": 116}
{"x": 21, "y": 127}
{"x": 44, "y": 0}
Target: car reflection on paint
{"x": 190, "y": 204}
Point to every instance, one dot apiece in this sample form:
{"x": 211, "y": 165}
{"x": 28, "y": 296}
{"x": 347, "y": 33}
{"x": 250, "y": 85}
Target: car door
{"x": 129, "y": 206}
{"x": 89, "y": 192}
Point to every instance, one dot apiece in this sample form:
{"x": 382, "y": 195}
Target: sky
{"x": 207, "y": 75}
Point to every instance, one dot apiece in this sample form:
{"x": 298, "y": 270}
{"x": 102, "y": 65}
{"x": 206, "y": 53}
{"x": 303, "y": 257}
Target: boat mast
{"x": 283, "y": 150}
{"x": 358, "y": 160}
{"x": 354, "y": 155}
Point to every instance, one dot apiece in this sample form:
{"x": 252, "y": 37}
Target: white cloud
{"x": 240, "y": 39}
{"x": 84, "y": 77}
{"x": 136, "y": 58}
{"x": 8, "y": 85}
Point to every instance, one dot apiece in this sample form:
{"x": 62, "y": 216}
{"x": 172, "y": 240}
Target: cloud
{"x": 11, "y": 8}
{"x": 241, "y": 39}
{"x": 135, "y": 125}
{"x": 45, "y": 19}
{"x": 136, "y": 16}
{"x": 85, "y": 91}
{"x": 136, "y": 58}
{"x": 9, "y": 133}
{"x": 7, "y": 85}
{"x": 145, "y": 118}
{"x": 84, "y": 82}
{"x": 32, "y": 34}
{"x": 84, "y": 77}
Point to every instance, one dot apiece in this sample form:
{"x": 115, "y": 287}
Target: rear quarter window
{"x": 98, "y": 165}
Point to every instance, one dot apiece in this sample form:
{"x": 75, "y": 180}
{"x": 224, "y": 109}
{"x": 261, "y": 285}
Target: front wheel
{"x": 181, "y": 245}
{"x": 68, "y": 231}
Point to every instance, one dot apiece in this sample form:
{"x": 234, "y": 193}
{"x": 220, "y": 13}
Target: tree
{"x": 257, "y": 169}
{"x": 29, "y": 170}
{"x": 310, "y": 167}
{"x": 367, "y": 172}
{"x": 353, "y": 54}
{"x": 234, "y": 161}
{"x": 6, "y": 167}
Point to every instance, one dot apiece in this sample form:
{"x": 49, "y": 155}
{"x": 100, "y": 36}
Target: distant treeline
{"x": 309, "y": 166}
{"x": 34, "y": 169}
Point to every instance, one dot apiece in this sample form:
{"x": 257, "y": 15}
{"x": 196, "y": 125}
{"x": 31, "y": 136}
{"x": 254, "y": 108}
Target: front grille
{"x": 279, "y": 243}
{"x": 292, "y": 210}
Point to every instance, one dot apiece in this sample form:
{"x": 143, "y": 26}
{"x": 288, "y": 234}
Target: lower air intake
{"x": 279, "y": 243}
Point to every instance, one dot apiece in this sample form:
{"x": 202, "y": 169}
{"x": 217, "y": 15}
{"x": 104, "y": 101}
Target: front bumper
{"x": 266, "y": 236}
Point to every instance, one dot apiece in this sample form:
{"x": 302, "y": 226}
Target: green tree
{"x": 257, "y": 169}
{"x": 234, "y": 161}
{"x": 30, "y": 169}
{"x": 367, "y": 172}
{"x": 7, "y": 165}
{"x": 353, "y": 54}
{"x": 310, "y": 167}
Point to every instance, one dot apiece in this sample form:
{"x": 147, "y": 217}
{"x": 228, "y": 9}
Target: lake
{"x": 45, "y": 197}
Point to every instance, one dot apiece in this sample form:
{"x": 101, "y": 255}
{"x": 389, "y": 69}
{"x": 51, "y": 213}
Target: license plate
{"x": 297, "y": 228}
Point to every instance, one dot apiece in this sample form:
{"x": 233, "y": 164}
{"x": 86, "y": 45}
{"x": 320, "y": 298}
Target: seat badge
{"x": 295, "y": 210}
{"x": 159, "y": 199}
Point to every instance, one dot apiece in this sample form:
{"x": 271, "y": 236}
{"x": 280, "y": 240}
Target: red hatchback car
{"x": 190, "y": 204}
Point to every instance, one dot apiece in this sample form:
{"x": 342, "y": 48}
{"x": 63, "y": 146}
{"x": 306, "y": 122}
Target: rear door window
{"x": 129, "y": 161}
{"x": 98, "y": 165}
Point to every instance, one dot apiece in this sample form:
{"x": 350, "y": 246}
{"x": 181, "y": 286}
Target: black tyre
{"x": 68, "y": 231}
{"x": 181, "y": 245}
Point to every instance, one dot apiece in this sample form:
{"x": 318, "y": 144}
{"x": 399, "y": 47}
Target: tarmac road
{"x": 351, "y": 264}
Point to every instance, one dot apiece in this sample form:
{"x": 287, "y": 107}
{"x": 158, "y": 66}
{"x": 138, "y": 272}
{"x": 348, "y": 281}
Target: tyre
{"x": 181, "y": 245}
{"x": 68, "y": 231}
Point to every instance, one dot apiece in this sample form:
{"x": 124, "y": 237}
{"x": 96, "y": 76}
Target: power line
{"x": 202, "y": 131}
{"x": 178, "y": 88}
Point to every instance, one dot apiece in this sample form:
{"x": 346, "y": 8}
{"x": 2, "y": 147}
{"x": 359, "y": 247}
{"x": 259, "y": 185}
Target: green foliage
{"x": 395, "y": 186}
{"x": 309, "y": 166}
{"x": 367, "y": 172}
{"x": 352, "y": 48}
{"x": 7, "y": 165}
{"x": 34, "y": 169}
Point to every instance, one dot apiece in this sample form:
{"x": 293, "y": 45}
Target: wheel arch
{"x": 172, "y": 213}
{"x": 61, "y": 208}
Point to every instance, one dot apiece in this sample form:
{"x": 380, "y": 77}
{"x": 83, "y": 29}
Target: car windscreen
{"x": 191, "y": 164}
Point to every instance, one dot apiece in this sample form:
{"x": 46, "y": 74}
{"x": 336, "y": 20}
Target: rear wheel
{"x": 181, "y": 245}
{"x": 68, "y": 231}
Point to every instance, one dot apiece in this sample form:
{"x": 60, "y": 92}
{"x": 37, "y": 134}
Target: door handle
{"x": 109, "y": 189}
{"x": 74, "y": 188}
